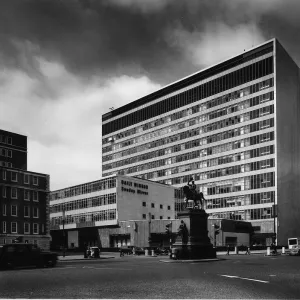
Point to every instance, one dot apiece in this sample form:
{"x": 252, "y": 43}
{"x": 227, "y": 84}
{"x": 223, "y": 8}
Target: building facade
{"x": 81, "y": 210}
{"x": 232, "y": 128}
{"x": 24, "y": 198}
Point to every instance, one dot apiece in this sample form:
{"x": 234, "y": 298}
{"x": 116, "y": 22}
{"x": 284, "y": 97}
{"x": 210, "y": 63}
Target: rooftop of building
{"x": 193, "y": 78}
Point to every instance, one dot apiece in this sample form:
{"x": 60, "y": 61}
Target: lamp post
{"x": 64, "y": 234}
{"x": 274, "y": 224}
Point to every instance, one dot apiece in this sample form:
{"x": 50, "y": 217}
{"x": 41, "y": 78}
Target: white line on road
{"x": 85, "y": 267}
{"x": 251, "y": 279}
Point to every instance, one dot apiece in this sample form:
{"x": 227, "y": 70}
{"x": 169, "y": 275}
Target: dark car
{"x": 139, "y": 251}
{"x": 126, "y": 250}
{"x": 25, "y": 255}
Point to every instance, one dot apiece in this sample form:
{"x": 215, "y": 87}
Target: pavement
{"x": 111, "y": 255}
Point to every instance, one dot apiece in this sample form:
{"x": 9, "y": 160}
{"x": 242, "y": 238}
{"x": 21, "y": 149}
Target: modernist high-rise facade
{"x": 24, "y": 199}
{"x": 233, "y": 127}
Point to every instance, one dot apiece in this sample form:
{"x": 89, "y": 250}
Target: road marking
{"x": 85, "y": 267}
{"x": 251, "y": 279}
{"x": 272, "y": 275}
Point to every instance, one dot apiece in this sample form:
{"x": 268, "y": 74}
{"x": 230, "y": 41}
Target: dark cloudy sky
{"x": 63, "y": 63}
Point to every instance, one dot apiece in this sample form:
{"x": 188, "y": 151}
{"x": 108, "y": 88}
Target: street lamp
{"x": 64, "y": 234}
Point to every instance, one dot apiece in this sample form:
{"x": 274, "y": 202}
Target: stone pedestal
{"x": 193, "y": 242}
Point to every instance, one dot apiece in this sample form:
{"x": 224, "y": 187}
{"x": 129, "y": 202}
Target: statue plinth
{"x": 193, "y": 242}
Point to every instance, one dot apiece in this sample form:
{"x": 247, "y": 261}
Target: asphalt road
{"x": 236, "y": 276}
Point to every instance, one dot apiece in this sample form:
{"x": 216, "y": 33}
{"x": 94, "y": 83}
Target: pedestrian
{"x": 121, "y": 252}
{"x": 248, "y": 250}
{"x": 227, "y": 250}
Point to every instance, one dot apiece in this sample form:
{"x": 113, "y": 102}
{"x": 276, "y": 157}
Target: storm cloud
{"x": 64, "y": 63}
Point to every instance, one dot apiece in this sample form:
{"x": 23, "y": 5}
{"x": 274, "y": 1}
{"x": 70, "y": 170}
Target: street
{"x": 234, "y": 276}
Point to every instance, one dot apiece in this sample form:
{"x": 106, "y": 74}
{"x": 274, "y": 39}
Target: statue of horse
{"x": 193, "y": 195}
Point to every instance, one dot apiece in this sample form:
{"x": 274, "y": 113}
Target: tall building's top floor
{"x": 13, "y": 150}
{"x": 210, "y": 81}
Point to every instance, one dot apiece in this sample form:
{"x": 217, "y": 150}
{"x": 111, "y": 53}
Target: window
{"x": 169, "y": 218}
{"x": 160, "y": 206}
{"x": 169, "y": 207}
{"x": 9, "y": 140}
{"x": 14, "y": 176}
{"x": 152, "y": 217}
{"x": 14, "y": 228}
{"x": 35, "y": 196}
{"x": 14, "y": 194}
{"x": 144, "y": 203}
{"x": 26, "y": 211}
{"x": 35, "y": 212}
{"x": 4, "y": 226}
{"x": 14, "y": 210}
{"x": 26, "y": 195}
{"x": 35, "y": 180}
{"x": 9, "y": 153}
{"x": 4, "y": 191}
{"x": 144, "y": 216}
{"x": 26, "y": 228}
{"x": 26, "y": 178}
{"x": 160, "y": 217}
{"x": 152, "y": 205}
{"x": 4, "y": 174}
{"x": 4, "y": 209}
{"x": 35, "y": 228}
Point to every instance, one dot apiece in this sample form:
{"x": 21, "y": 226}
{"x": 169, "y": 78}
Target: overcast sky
{"x": 64, "y": 63}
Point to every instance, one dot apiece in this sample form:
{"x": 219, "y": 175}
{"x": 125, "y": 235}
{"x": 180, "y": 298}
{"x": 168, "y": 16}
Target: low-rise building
{"x": 81, "y": 210}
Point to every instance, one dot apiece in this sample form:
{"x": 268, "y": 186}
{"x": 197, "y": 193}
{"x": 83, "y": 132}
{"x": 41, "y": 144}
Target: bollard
{"x": 283, "y": 250}
{"x": 236, "y": 250}
{"x": 268, "y": 251}
{"x": 152, "y": 253}
{"x": 146, "y": 252}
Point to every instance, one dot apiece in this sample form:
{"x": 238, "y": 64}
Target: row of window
{"x": 171, "y": 139}
{"x": 6, "y": 164}
{"x": 144, "y": 216}
{"x": 102, "y": 215}
{"x": 14, "y": 228}
{"x": 14, "y": 177}
{"x": 252, "y": 199}
{"x": 84, "y": 203}
{"x": 210, "y": 150}
{"x": 265, "y": 137}
{"x": 103, "y": 184}
{"x": 192, "y": 121}
{"x": 212, "y": 174}
{"x": 5, "y": 152}
{"x": 153, "y": 205}
{"x": 5, "y": 139}
{"x": 245, "y": 215}
{"x": 257, "y": 181}
{"x": 14, "y": 211}
{"x": 15, "y": 193}
{"x": 241, "y": 76}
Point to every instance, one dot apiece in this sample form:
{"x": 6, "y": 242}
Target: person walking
{"x": 248, "y": 250}
{"x": 227, "y": 250}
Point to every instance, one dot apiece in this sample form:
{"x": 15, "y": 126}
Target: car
{"x": 139, "y": 251}
{"x": 95, "y": 252}
{"x": 294, "y": 250}
{"x": 25, "y": 255}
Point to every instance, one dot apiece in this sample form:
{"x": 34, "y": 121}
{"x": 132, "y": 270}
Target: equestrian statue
{"x": 191, "y": 193}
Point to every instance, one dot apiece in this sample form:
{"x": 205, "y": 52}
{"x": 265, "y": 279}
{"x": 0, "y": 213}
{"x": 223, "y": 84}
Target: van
{"x": 292, "y": 242}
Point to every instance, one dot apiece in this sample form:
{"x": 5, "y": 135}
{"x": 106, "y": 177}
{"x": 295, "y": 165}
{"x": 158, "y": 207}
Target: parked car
{"x": 25, "y": 255}
{"x": 294, "y": 250}
{"x": 94, "y": 252}
{"x": 126, "y": 250}
{"x": 139, "y": 251}
{"x": 161, "y": 251}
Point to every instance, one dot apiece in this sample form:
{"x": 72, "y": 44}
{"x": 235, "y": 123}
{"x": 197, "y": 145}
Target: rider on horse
{"x": 192, "y": 186}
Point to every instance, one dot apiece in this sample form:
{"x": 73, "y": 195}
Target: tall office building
{"x": 24, "y": 199}
{"x": 232, "y": 127}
